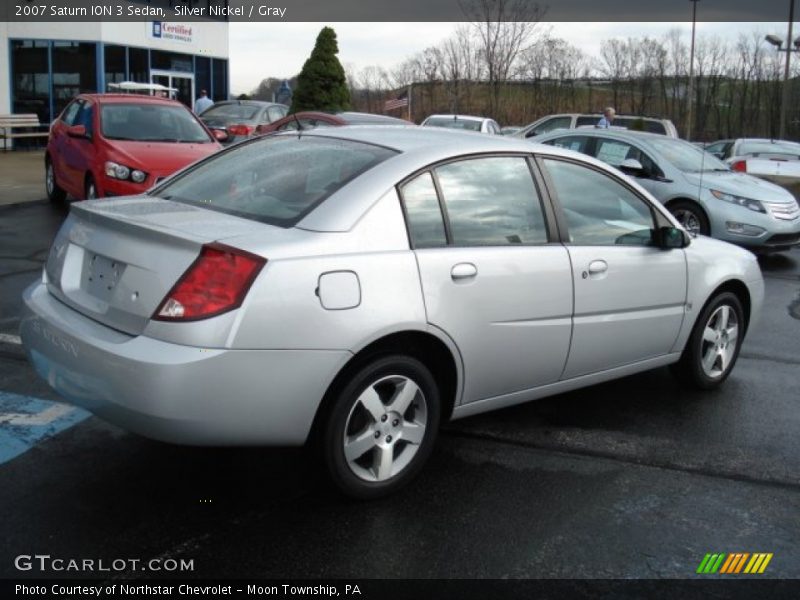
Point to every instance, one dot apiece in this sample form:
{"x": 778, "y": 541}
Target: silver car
{"x": 358, "y": 286}
{"x": 463, "y": 123}
{"x": 705, "y": 195}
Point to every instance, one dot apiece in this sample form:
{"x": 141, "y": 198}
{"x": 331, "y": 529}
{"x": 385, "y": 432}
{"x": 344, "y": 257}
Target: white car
{"x": 463, "y": 123}
{"x": 357, "y": 286}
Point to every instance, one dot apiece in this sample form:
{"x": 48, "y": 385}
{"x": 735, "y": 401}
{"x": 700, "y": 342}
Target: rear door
{"x": 630, "y": 295}
{"x": 491, "y": 276}
{"x": 79, "y": 155}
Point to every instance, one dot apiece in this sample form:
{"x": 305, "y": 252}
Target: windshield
{"x": 152, "y": 123}
{"x": 231, "y": 111}
{"x": 687, "y": 157}
{"x": 785, "y": 148}
{"x": 451, "y": 123}
{"x": 275, "y": 179}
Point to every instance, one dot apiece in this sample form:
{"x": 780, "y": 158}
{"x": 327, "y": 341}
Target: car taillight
{"x": 740, "y": 166}
{"x": 245, "y": 130}
{"x": 216, "y": 282}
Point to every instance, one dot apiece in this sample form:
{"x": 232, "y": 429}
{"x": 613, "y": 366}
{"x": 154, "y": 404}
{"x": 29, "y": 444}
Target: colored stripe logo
{"x": 734, "y": 563}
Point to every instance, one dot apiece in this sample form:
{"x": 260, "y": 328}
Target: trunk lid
{"x": 115, "y": 260}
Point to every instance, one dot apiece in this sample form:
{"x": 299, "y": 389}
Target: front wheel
{"x": 381, "y": 427}
{"x": 714, "y": 344}
{"x": 691, "y": 217}
{"x": 54, "y": 193}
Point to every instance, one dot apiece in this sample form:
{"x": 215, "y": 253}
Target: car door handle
{"x": 598, "y": 266}
{"x": 463, "y": 271}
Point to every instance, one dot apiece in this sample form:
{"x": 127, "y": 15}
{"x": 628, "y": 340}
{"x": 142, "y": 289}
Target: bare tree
{"x": 503, "y": 28}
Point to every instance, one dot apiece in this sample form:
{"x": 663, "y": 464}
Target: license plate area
{"x": 100, "y": 275}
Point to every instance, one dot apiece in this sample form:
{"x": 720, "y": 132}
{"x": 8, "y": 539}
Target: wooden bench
{"x": 23, "y": 122}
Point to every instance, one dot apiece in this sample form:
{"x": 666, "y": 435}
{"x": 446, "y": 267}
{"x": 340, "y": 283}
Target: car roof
{"x": 619, "y": 133}
{"x": 248, "y": 103}
{"x": 457, "y": 117}
{"x": 129, "y": 99}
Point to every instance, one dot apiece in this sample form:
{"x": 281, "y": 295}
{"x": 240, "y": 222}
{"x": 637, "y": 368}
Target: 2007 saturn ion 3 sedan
{"x": 357, "y": 286}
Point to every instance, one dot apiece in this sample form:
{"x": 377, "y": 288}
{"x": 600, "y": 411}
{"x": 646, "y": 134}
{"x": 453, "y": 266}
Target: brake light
{"x": 740, "y": 166}
{"x": 245, "y": 130}
{"x": 216, "y": 282}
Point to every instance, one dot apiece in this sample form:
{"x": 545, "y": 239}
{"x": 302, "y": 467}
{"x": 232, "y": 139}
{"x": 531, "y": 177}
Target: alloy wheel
{"x": 719, "y": 342}
{"x": 385, "y": 428}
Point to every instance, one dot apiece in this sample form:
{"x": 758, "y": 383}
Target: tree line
{"x": 505, "y": 63}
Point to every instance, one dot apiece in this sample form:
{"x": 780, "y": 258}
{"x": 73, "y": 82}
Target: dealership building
{"x": 49, "y": 63}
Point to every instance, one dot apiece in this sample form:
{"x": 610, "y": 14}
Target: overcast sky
{"x": 260, "y": 50}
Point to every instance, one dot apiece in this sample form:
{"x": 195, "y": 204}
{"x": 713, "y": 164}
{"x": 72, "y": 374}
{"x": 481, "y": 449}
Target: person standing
{"x": 607, "y": 119}
{"x": 203, "y": 103}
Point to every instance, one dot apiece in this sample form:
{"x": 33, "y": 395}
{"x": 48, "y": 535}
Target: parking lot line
{"x": 26, "y": 421}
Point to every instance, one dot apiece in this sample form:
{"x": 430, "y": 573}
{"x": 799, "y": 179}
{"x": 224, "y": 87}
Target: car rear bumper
{"x": 175, "y": 393}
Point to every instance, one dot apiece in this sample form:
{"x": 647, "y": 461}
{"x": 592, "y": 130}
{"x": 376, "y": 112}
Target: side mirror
{"x": 671, "y": 237}
{"x": 76, "y": 131}
{"x": 631, "y": 166}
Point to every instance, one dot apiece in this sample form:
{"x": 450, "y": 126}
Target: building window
{"x": 171, "y": 61}
{"x": 220, "y": 71}
{"x": 138, "y": 65}
{"x": 31, "y": 87}
{"x": 202, "y": 75}
{"x": 74, "y": 71}
{"x": 115, "y": 64}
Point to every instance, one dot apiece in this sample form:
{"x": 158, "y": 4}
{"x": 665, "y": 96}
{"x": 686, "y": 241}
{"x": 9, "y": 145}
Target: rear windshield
{"x": 635, "y": 123}
{"x": 276, "y": 179}
{"x": 231, "y": 111}
{"x": 784, "y": 148}
{"x": 152, "y": 123}
{"x": 451, "y": 123}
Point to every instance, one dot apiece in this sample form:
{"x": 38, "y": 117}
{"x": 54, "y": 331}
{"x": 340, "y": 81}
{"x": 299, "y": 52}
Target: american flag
{"x": 399, "y": 102}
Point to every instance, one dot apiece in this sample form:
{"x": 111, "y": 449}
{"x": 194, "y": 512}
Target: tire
{"x": 370, "y": 450}
{"x": 690, "y": 216}
{"x": 54, "y": 193}
{"x": 713, "y": 347}
{"x": 90, "y": 190}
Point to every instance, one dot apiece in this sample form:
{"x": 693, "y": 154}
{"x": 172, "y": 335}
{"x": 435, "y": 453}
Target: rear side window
{"x": 425, "y": 223}
{"x": 275, "y": 179}
{"x": 551, "y": 125}
{"x": 492, "y": 201}
{"x": 576, "y": 143}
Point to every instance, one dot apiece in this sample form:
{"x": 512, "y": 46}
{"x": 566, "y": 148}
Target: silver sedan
{"x": 356, "y": 287}
{"x": 704, "y": 194}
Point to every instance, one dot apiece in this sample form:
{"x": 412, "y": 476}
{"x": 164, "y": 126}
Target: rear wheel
{"x": 91, "y": 188}
{"x": 54, "y": 192}
{"x": 381, "y": 427}
{"x": 714, "y": 344}
{"x": 691, "y": 217}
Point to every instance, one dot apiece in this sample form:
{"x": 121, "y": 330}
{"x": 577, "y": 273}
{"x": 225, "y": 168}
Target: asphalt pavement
{"x": 636, "y": 478}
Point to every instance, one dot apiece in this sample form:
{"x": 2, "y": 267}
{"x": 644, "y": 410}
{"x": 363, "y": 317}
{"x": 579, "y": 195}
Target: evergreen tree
{"x": 321, "y": 84}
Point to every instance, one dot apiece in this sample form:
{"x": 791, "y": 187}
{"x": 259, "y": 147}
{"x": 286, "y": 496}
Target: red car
{"x": 309, "y": 120}
{"x": 121, "y": 144}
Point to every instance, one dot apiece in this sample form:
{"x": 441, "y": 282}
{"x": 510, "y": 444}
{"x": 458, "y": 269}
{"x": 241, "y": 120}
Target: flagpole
{"x": 409, "y": 103}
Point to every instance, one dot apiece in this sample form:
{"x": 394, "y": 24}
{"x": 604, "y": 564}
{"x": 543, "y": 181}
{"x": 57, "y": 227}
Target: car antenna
{"x": 296, "y": 120}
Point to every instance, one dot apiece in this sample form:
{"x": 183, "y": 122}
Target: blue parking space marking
{"x": 25, "y": 421}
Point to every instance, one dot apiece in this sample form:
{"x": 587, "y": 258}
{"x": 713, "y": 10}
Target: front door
{"x": 182, "y": 82}
{"x": 630, "y": 295}
{"x": 490, "y": 279}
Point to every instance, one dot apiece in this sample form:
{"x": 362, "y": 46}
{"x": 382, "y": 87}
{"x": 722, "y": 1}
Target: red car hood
{"x": 159, "y": 158}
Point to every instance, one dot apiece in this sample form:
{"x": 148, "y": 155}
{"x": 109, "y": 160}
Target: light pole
{"x": 690, "y": 87}
{"x": 778, "y": 43}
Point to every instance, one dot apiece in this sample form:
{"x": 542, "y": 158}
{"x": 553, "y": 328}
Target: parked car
{"x": 358, "y": 286}
{"x": 311, "y": 119}
{"x": 777, "y": 161}
{"x": 104, "y": 145}
{"x": 576, "y": 120}
{"x": 463, "y": 122}
{"x": 701, "y": 191}
{"x": 236, "y": 120}
{"x": 510, "y": 129}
